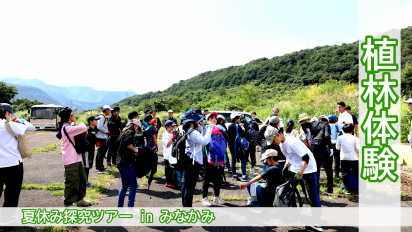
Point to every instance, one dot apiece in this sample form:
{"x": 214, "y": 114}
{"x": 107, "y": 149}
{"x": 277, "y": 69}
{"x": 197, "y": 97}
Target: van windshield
{"x": 43, "y": 113}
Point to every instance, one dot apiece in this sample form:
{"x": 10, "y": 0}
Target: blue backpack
{"x": 240, "y": 142}
{"x": 217, "y": 150}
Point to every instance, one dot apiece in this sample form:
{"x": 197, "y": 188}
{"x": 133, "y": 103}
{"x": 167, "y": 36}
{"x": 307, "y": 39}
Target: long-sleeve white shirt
{"x": 195, "y": 142}
{"x": 349, "y": 147}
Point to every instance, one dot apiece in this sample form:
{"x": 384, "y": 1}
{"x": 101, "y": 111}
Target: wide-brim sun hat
{"x": 192, "y": 116}
{"x": 303, "y": 116}
{"x": 234, "y": 115}
{"x": 408, "y": 101}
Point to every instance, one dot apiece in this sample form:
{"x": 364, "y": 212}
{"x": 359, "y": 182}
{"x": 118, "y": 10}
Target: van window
{"x": 227, "y": 116}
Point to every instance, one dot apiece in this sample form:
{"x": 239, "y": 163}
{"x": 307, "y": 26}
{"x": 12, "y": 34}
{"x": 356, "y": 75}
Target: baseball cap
{"x": 270, "y": 134}
{"x": 408, "y": 101}
{"x": 7, "y": 107}
{"x": 91, "y": 118}
{"x": 135, "y": 122}
{"x": 116, "y": 108}
{"x": 234, "y": 115}
{"x": 106, "y": 107}
{"x": 170, "y": 111}
{"x": 147, "y": 118}
{"x": 268, "y": 153}
{"x": 146, "y": 111}
{"x": 169, "y": 123}
{"x": 332, "y": 117}
{"x": 323, "y": 117}
{"x": 132, "y": 114}
{"x": 214, "y": 113}
{"x": 192, "y": 116}
{"x": 274, "y": 120}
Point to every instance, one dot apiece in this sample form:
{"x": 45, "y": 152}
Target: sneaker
{"x": 326, "y": 192}
{"x": 167, "y": 185}
{"x": 316, "y": 227}
{"x": 102, "y": 171}
{"x": 172, "y": 186}
{"x": 248, "y": 204}
{"x": 70, "y": 206}
{"x": 88, "y": 185}
{"x": 347, "y": 192}
{"x": 83, "y": 202}
{"x": 219, "y": 200}
{"x": 245, "y": 179}
{"x": 206, "y": 202}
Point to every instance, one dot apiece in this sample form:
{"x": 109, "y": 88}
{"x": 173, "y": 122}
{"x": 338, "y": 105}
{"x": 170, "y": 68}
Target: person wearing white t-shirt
{"x": 299, "y": 162}
{"x": 349, "y": 150}
{"x": 344, "y": 117}
{"x": 11, "y": 163}
{"x": 167, "y": 141}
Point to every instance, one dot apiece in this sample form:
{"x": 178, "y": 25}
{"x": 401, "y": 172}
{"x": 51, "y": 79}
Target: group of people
{"x": 286, "y": 153}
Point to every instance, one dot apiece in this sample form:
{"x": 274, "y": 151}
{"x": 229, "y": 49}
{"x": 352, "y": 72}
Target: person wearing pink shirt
{"x": 74, "y": 175}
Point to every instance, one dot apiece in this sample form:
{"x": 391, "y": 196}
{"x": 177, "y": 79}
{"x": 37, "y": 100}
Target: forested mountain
{"x": 34, "y": 93}
{"x": 79, "y": 96}
{"x": 269, "y": 77}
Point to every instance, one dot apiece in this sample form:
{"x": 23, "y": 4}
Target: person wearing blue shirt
{"x": 335, "y": 130}
{"x": 151, "y": 133}
{"x": 264, "y": 196}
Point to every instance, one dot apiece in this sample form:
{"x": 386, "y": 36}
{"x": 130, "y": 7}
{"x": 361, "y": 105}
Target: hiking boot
{"x": 316, "y": 227}
{"x": 219, "y": 200}
{"x": 326, "y": 192}
{"x": 245, "y": 179}
{"x": 83, "y": 202}
{"x": 206, "y": 202}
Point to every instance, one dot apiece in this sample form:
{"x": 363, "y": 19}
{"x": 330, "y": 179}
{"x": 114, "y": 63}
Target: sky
{"x": 149, "y": 45}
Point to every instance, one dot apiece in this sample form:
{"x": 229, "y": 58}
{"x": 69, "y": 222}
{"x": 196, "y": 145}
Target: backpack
{"x": 240, "y": 142}
{"x": 253, "y": 135}
{"x": 23, "y": 143}
{"x": 217, "y": 150}
{"x": 316, "y": 133}
{"x": 145, "y": 162}
{"x": 82, "y": 144}
{"x": 261, "y": 133}
{"x": 285, "y": 195}
{"x": 177, "y": 178}
{"x": 178, "y": 160}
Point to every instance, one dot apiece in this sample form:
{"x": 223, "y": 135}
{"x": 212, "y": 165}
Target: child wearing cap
{"x": 167, "y": 141}
{"x": 88, "y": 156}
{"x": 264, "y": 196}
{"x": 300, "y": 164}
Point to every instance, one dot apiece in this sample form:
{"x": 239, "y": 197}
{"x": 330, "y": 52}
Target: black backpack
{"x": 285, "y": 195}
{"x": 261, "y": 133}
{"x": 179, "y": 152}
{"x": 82, "y": 144}
{"x": 317, "y": 132}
